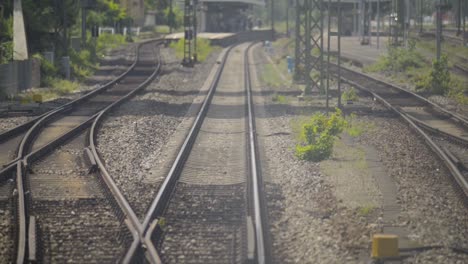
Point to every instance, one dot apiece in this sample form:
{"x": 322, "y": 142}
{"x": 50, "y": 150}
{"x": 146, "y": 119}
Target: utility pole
{"x": 195, "y": 31}
{"x": 83, "y": 23}
{"x": 339, "y": 53}
{"x": 287, "y": 18}
{"x": 369, "y": 24}
{"x": 378, "y": 24}
{"x": 464, "y": 22}
{"x": 272, "y": 20}
{"x": 421, "y": 19}
{"x": 171, "y": 17}
{"x": 405, "y": 24}
{"x": 439, "y": 28}
{"x": 190, "y": 52}
{"x": 309, "y": 36}
{"x": 459, "y": 14}
{"x": 328, "y": 54}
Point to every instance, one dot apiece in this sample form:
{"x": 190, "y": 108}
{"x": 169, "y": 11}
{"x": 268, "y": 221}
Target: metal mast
{"x": 309, "y": 37}
{"x": 190, "y": 33}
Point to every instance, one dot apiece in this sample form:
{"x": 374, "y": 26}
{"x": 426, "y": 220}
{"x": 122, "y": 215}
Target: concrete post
{"x": 20, "y": 46}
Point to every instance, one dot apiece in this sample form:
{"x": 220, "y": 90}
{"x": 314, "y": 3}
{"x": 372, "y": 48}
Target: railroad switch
{"x": 384, "y": 246}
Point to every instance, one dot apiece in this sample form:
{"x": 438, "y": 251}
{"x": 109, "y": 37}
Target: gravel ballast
{"x": 309, "y": 224}
{"x": 132, "y": 137}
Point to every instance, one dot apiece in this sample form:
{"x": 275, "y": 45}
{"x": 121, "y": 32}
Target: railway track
{"x": 209, "y": 208}
{"x": 61, "y": 209}
{"x": 445, "y": 132}
{"x": 10, "y": 140}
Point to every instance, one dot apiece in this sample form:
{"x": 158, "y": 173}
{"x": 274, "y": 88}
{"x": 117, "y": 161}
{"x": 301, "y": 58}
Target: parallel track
{"x": 48, "y": 197}
{"x": 10, "y": 139}
{"x": 422, "y": 115}
{"x": 207, "y": 210}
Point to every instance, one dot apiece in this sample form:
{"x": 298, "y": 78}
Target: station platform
{"x": 351, "y": 49}
{"x": 227, "y": 38}
{"x": 205, "y": 35}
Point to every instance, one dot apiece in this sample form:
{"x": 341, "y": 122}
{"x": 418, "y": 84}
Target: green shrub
{"x": 349, "y": 95}
{"x": 398, "y": 59}
{"x": 6, "y": 52}
{"x": 279, "y": 99}
{"x": 458, "y": 91}
{"x": 81, "y": 63}
{"x": 318, "y": 134}
{"x": 48, "y": 70}
{"x": 63, "y": 87}
{"x": 107, "y": 42}
{"x": 204, "y": 48}
{"x": 176, "y": 18}
{"x": 355, "y": 128}
{"x": 438, "y": 80}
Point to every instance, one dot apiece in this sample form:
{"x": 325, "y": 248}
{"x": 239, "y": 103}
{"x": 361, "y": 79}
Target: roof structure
{"x": 252, "y": 2}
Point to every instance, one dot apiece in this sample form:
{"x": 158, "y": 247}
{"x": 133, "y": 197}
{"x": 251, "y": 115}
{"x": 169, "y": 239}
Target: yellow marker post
{"x": 37, "y": 98}
{"x": 385, "y": 246}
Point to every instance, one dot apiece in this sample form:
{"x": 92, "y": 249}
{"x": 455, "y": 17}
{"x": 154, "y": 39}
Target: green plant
{"x": 398, "y": 60}
{"x": 82, "y": 64}
{"x": 107, "y": 42}
{"x": 176, "y": 18}
{"x": 48, "y": 69}
{"x": 365, "y": 210}
{"x": 355, "y": 128}
{"x": 6, "y": 52}
{"x": 204, "y": 48}
{"x": 458, "y": 90}
{"x": 317, "y": 136}
{"x": 279, "y": 99}
{"x": 62, "y": 87}
{"x": 349, "y": 95}
{"x": 438, "y": 80}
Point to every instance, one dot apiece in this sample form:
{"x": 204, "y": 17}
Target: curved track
{"x": 10, "y": 140}
{"x": 444, "y": 126}
{"x": 62, "y": 212}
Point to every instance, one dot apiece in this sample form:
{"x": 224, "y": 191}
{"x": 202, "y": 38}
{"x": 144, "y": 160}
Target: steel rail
{"x": 24, "y": 160}
{"x": 259, "y": 208}
{"x": 31, "y": 125}
{"x": 462, "y": 119}
{"x": 24, "y": 127}
{"x": 162, "y": 197}
{"x": 457, "y": 175}
{"x": 134, "y": 223}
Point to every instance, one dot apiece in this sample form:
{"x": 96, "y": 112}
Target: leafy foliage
{"x": 398, "y": 60}
{"x": 6, "y": 39}
{"x": 81, "y": 63}
{"x": 438, "y": 80}
{"x": 176, "y": 19}
{"x": 106, "y": 42}
{"x": 349, "y": 95}
{"x": 279, "y": 98}
{"x": 6, "y": 52}
{"x": 48, "y": 70}
{"x": 458, "y": 91}
{"x": 318, "y": 134}
{"x": 355, "y": 127}
{"x": 107, "y": 13}
{"x": 204, "y": 48}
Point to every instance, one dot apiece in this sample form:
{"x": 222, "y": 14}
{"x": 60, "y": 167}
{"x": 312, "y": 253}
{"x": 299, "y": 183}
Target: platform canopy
{"x": 250, "y": 2}
{"x": 357, "y": 1}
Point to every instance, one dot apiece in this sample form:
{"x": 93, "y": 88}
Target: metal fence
{"x": 18, "y": 76}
